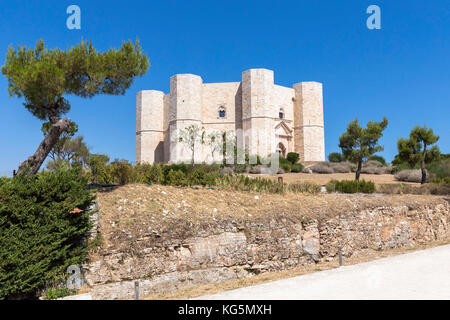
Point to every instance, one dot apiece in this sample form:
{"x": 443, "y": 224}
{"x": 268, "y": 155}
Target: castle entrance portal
{"x": 281, "y": 149}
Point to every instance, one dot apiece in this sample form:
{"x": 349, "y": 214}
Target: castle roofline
{"x": 308, "y": 82}
{"x": 185, "y": 75}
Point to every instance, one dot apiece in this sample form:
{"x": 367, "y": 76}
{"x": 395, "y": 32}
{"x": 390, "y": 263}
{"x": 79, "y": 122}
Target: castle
{"x": 265, "y": 117}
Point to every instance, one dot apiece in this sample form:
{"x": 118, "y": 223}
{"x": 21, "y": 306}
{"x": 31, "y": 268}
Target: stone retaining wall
{"x": 163, "y": 265}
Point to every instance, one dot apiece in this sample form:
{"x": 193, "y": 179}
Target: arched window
{"x": 281, "y": 113}
{"x": 222, "y": 112}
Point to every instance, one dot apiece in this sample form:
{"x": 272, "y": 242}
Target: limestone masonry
{"x": 262, "y": 118}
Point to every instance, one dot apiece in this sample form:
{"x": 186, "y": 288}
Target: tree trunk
{"x": 422, "y": 165}
{"x": 424, "y": 173}
{"x": 33, "y": 163}
{"x": 358, "y": 170}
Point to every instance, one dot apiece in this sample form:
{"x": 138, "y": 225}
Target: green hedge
{"x": 293, "y": 157}
{"x": 298, "y": 167}
{"x": 39, "y": 237}
{"x": 445, "y": 180}
{"x": 351, "y": 186}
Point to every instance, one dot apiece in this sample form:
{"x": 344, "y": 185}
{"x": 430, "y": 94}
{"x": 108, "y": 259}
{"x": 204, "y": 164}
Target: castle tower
{"x": 257, "y": 111}
{"x": 185, "y": 110}
{"x": 308, "y": 121}
{"x": 149, "y": 126}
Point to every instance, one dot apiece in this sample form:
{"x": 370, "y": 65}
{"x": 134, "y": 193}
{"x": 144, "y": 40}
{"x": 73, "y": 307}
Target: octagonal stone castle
{"x": 264, "y": 117}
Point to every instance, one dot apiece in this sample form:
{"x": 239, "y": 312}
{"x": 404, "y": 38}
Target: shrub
{"x": 297, "y": 167}
{"x": 200, "y": 177}
{"x": 399, "y": 166}
{"x": 341, "y": 167}
{"x": 379, "y": 159}
{"x": 122, "y": 172}
{"x": 285, "y": 164}
{"x": 439, "y": 169}
{"x": 372, "y": 163}
{"x": 54, "y": 293}
{"x": 429, "y": 188}
{"x": 336, "y": 157}
{"x": 176, "y": 178}
{"x": 256, "y": 169}
{"x": 97, "y": 163}
{"x": 445, "y": 180}
{"x": 323, "y": 167}
{"x": 304, "y": 187}
{"x": 286, "y": 167}
{"x": 39, "y": 237}
{"x": 227, "y": 171}
{"x": 293, "y": 157}
{"x": 241, "y": 168}
{"x": 351, "y": 186}
{"x": 410, "y": 175}
{"x": 375, "y": 167}
{"x": 155, "y": 174}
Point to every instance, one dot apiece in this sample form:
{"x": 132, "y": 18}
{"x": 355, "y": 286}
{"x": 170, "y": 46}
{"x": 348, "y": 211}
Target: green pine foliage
{"x": 285, "y": 164}
{"x": 418, "y": 148}
{"x": 378, "y": 158}
{"x": 39, "y": 237}
{"x": 297, "y": 167}
{"x": 293, "y": 157}
{"x": 336, "y": 157}
{"x": 358, "y": 143}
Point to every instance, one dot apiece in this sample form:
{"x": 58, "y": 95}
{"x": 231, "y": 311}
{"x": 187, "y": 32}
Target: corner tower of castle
{"x": 264, "y": 117}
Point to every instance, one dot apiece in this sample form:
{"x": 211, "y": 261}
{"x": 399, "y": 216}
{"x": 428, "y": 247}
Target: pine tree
{"x": 418, "y": 148}
{"x": 358, "y": 143}
{"x": 44, "y": 77}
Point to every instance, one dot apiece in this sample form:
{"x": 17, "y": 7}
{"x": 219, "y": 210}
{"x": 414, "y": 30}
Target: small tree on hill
{"x": 44, "y": 77}
{"x": 214, "y": 141}
{"x": 359, "y": 143}
{"x": 336, "y": 157}
{"x": 97, "y": 163}
{"x": 380, "y": 159}
{"x": 191, "y": 136}
{"x": 418, "y": 148}
{"x": 67, "y": 149}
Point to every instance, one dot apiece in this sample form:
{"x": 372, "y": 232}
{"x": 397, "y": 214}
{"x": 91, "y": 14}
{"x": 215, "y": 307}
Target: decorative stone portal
{"x": 281, "y": 149}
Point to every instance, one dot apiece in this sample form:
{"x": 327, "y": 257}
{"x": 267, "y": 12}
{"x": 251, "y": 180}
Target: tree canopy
{"x": 418, "y": 148}
{"x": 358, "y": 143}
{"x": 44, "y": 78}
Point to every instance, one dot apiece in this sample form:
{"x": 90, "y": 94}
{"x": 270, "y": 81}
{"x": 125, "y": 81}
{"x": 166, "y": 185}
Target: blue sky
{"x": 401, "y": 71}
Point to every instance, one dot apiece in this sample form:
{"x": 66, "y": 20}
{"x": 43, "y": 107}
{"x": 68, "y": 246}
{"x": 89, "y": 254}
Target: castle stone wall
{"x": 149, "y": 126}
{"x": 308, "y": 124}
{"x": 252, "y": 105}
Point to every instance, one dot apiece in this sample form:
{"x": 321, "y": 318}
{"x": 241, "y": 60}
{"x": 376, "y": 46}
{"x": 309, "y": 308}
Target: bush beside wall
{"x": 39, "y": 237}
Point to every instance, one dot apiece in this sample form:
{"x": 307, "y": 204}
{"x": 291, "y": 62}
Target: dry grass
{"x": 323, "y": 179}
{"x": 213, "y": 288}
